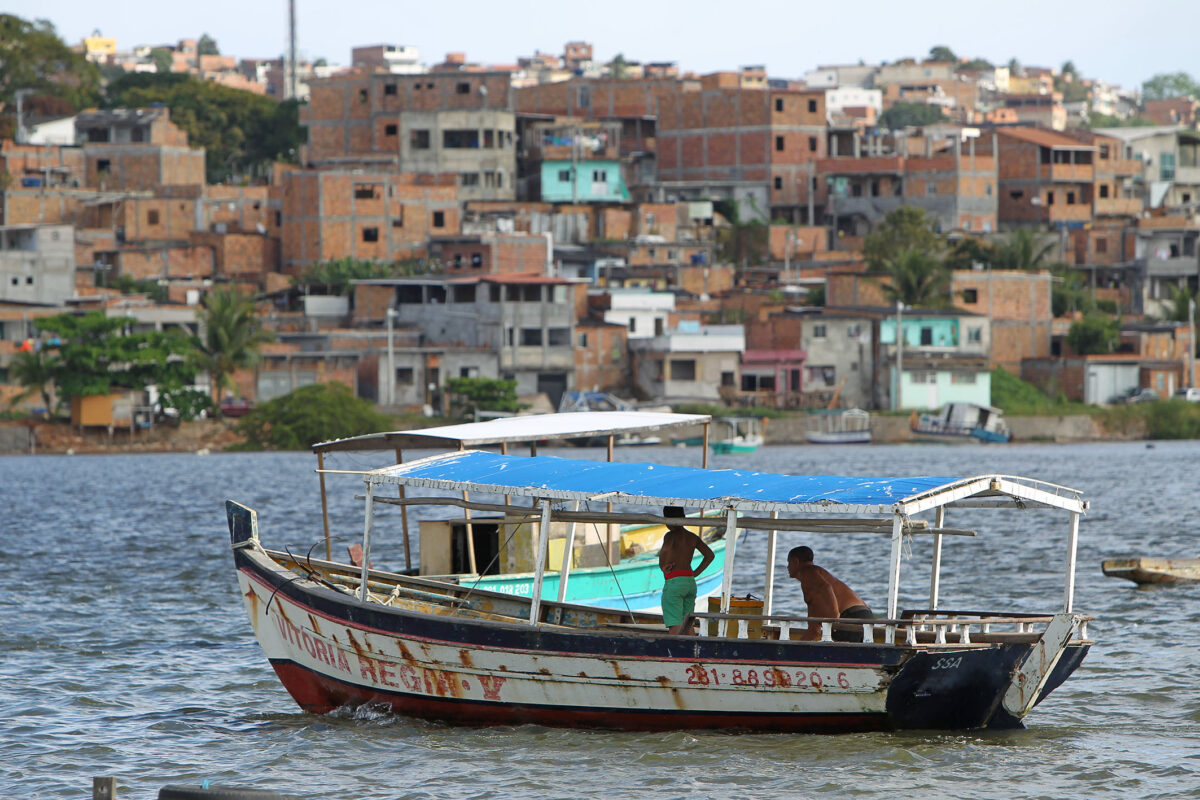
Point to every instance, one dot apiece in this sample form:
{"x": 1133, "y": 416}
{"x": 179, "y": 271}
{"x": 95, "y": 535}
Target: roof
{"x": 648, "y": 484}
{"x": 529, "y": 428}
{"x": 1044, "y": 138}
{"x": 1132, "y": 134}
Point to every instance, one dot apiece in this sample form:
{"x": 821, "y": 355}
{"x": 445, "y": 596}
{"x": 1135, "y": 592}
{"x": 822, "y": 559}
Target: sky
{"x": 1118, "y": 41}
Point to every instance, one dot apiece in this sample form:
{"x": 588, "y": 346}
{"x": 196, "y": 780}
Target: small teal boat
{"x": 737, "y": 435}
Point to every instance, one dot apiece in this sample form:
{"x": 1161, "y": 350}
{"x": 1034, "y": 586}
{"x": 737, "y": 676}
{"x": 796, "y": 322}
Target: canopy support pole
{"x": 539, "y": 572}
{"x": 935, "y": 573}
{"x": 404, "y": 518}
{"x": 769, "y": 584}
{"x": 324, "y": 506}
{"x": 731, "y": 532}
{"x": 608, "y": 529}
{"x": 368, "y": 520}
{"x": 894, "y": 571}
{"x": 568, "y": 549}
{"x": 704, "y": 448}
{"x": 1072, "y": 544}
{"x": 471, "y": 565}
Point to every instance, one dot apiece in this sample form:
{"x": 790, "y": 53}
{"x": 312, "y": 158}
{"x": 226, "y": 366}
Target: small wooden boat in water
{"x": 737, "y": 435}
{"x": 1150, "y": 571}
{"x": 341, "y": 636}
{"x": 852, "y": 426}
{"x": 961, "y": 422}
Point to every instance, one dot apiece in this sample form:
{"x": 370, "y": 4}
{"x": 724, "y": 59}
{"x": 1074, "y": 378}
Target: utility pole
{"x": 391, "y": 361}
{"x": 1192, "y": 342}
{"x": 289, "y": 75}
{"x": 899, "y": 353}
{"x": 21, "y": 94}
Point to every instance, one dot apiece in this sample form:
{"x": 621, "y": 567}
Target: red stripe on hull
{"x": 321, "y": 694}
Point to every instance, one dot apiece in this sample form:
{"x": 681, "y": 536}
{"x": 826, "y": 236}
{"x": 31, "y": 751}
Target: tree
{"x": 974, "y": 65}
{"x": 163, "y": 60}
{"x": 1069, "y": 293}
{"x": 905, "y": 228}
{"x": 468, "y": 395}
{"x": 917, "y": 279}
{"x": 335, "y": 276}
{"x": 1181, "y": 297}
{"x": 1166, "y": 85}
{"x": 618, "y": 66}
{"x": 1095, "y": 334}
{"x": 207, "y": 46}
{"x": 1022, "y": 250}
{"x": 1068, "y": 68}
{"x": 904, "y": 115}
{"x": 1014, "y": 67}
{"x": 34, "y": 372}
{"x": 240, "y": 131}
{"x": 968, "y": 251}
{"x": 1095, "y": 120}
{"x": 941, "y": 52}
{"x": 231, "y": 337}
{"x": 308, "y": 415}
{"x": 97, "y": 353}
{"x": 33, "y": 57}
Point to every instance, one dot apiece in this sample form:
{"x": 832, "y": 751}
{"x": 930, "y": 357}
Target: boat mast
{"x": 935, "y": 572}
{"x": 1072, "y": 544}
{"x": 539, "y": 570}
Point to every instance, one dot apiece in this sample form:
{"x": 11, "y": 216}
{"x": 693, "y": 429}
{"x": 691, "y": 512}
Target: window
{"x": 476, "y": 259}
{"x": 152, "y": 217}
{"x": 970, "y": 295}
{"x": 820, "y": 376}
{"x": 633, "y": 324}
{"x": 779, "y": 104}
{"x": 531, "y": 294}
{"x": 29, "y": 280}
{"x": 962, "y": 377}
{"x": 583, "y": 340}
{"x": 987, "y": 189}
{"x": 778, "y": 142}
{"x": 778, "y": 182}
{"x": 398, "y": 219}
{"x": 564, "y": 176}
{"x": 103, "y": 165}
{"x": 974, "y": 335}
{"x": 460, "y": 139}
{"x": 818, "y": 331}
{"x": 370, "y": 234}
{"x": 558, "y": 337}
{"x": 439, "y": 219}
{"x": 408, "y": 295}
{"x": 1104, "y": 190}
{"x": 683, "y": 370}
{"x": 926, "y": 336}
{"x": 1104, "y": 151}
{"x": 462, "y": 88}
{"x": 922, "y": 377}
{"x": 531, "y": 337}
{"x": 1050, "y": 198}
{"x": 458, "y": 259}
{"x": 1070, "y": 198}
{"x": 418, "y": 139}
{"x": 812, "y": 106}
{"x": 489, "y": 138}
{"x": 390, "y": 130}
{"x": 468, "y": 179}
{"x": 389, "y": 88}
{"x": 1187, "y": 198}
{"x": 364, "y": 191}
{"x": 363, "y": 96}
{"x": 464, "y": 294}
{"x": 931, "y": 188}
{"x": 600, "y": 176}
{"x": 468, "y": 372}
{"x": 404, "y": 376}
{"x": 812, "y": 144}
{"x": 727, "y": 378}
{"x": 853, "y": 331}
{"x": 1102, "y": 245}
{"x": 1166, "y": 167}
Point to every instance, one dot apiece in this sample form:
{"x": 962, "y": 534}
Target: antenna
{"x": 289, "y": 76}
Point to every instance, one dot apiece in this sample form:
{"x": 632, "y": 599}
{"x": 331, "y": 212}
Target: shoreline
{"x": 36, "y": 437}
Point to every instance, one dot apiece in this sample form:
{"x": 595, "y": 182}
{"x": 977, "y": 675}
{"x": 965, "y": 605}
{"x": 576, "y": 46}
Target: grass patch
{"x": 1163, "y": 419}
{"x": 1020, "y": 399}
{"x": 723, "y": 411}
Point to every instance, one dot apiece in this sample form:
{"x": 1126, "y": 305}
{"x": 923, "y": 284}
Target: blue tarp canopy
{"x": 657, "y": 484}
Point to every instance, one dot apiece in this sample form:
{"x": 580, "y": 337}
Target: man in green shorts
{"x": 675, "y": 561}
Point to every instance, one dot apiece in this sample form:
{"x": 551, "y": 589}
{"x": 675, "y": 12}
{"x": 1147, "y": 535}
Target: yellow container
{"x": 738, "y": 605}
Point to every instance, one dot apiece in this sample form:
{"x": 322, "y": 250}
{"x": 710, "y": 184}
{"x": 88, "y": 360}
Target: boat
{"x": 614, "y": 566}
{"x": 852, "y": 426}
{"x": 737, "y": 435}
{"x": 1153, "y": 571}
{"x": 961, "y": 422}
{"x": 574, "y": 402}
{"x": 343, "y": 637}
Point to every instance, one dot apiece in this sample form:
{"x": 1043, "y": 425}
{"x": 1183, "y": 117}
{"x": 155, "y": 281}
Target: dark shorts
{"x": 852, "y": 633}
{"x": 678, "y": 600}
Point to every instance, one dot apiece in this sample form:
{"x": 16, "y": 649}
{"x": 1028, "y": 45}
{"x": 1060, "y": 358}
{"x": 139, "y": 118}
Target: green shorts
{"x": 678, "y": 600}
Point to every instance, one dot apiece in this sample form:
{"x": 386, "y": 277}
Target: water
{"x": 125, "y": 650}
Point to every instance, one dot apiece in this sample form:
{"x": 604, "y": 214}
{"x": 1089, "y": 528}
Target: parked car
{"x": 1138, "y": 394}
{"x": 1190, "y": 393}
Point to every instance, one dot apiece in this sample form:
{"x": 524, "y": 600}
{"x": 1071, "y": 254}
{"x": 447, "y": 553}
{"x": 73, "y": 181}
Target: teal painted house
{"x": 945, "y": 359}
{"x": 583, "y": 182}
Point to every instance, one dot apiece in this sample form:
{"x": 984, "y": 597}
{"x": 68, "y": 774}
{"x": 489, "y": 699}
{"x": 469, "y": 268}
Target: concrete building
{"x": 394, "y": 59}
{"x": 689, "y": 363}
{"x": 1013, "y": 311}
{"x": 1170, "y": 163}
{"x": 1168, "y": 249}
{"x": 1041, "y": 110}
{"x": 1045, "y": 177}
{"x": 37, "y": 263}
{"x": 642, "y": 312}
{"x": 476, "y": 148}
{"x": 575, "y": 161}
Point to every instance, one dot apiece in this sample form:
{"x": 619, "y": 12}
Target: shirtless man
{"x": 826, "y": 597}
{"x": 675, "y": 560}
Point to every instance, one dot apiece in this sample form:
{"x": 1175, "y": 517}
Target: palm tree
{"x": 1181, "y": 297}
{"x": 230, "y": 338}
{"x": 917, "y": 279}
{"x": 35, "y": 371}
{"x": 1022, "y": 250}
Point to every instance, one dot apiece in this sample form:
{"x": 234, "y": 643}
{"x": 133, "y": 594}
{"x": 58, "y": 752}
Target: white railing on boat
{"x": 955, "y": 628}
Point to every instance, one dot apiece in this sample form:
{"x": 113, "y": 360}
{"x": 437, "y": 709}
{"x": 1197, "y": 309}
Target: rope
{"x": 608, "y": 560}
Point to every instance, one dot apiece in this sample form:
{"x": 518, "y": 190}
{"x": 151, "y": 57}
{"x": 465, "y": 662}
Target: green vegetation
{"x": 1095, "y": 334}
{"x": 127, "y": 284}
{"x": 1070, "y": 293}
{"x": 32, "y": 56}
{"x": 904, "y": 115}
{"x": 468, "y": 395}
{"x": 334, "y": 277}
{"x": 1022, "y": 250}
{"x": 1164, "y": 419}
{"x": 918, "y": 280}
{"x": 309, "y": 415}
{"x": 232, "y": 336}
{"x": 725, "y": 411}
{"x": 906, "y": 228}
{"x": 207, "y": 46}
{"x": 941, "y": 52}
{"x": 1019, "y": 398}
{"x": 906, "y": 247}
{"x": 242, "y": 133}
{"x": 1166, "y": 85}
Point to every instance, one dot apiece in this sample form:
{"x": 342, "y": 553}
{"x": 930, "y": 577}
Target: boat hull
{"x": 843, "y": 437}
{"x": 473, "y": 662}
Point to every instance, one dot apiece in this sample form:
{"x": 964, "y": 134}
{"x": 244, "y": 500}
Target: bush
{"x": 311, "y": 414}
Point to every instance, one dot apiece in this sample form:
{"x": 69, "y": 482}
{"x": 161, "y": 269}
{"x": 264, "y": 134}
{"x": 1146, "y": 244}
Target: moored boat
{"x": 1153, "y": 571}
{"x": 961, "y": 422}
{"x": 737, "y": 435}
{"x": 852, "y": 426}
{"x": 340, "y": 636}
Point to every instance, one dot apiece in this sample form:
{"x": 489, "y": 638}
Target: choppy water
{"x": 125, "y": 650}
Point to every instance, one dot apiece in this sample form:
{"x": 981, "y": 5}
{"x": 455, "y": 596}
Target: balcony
{"x": 1062, "y": 212}
{"x": 1067, "y": 173}
{"x": 1118, "y": 206}
{"x": 1122, "y": 167}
